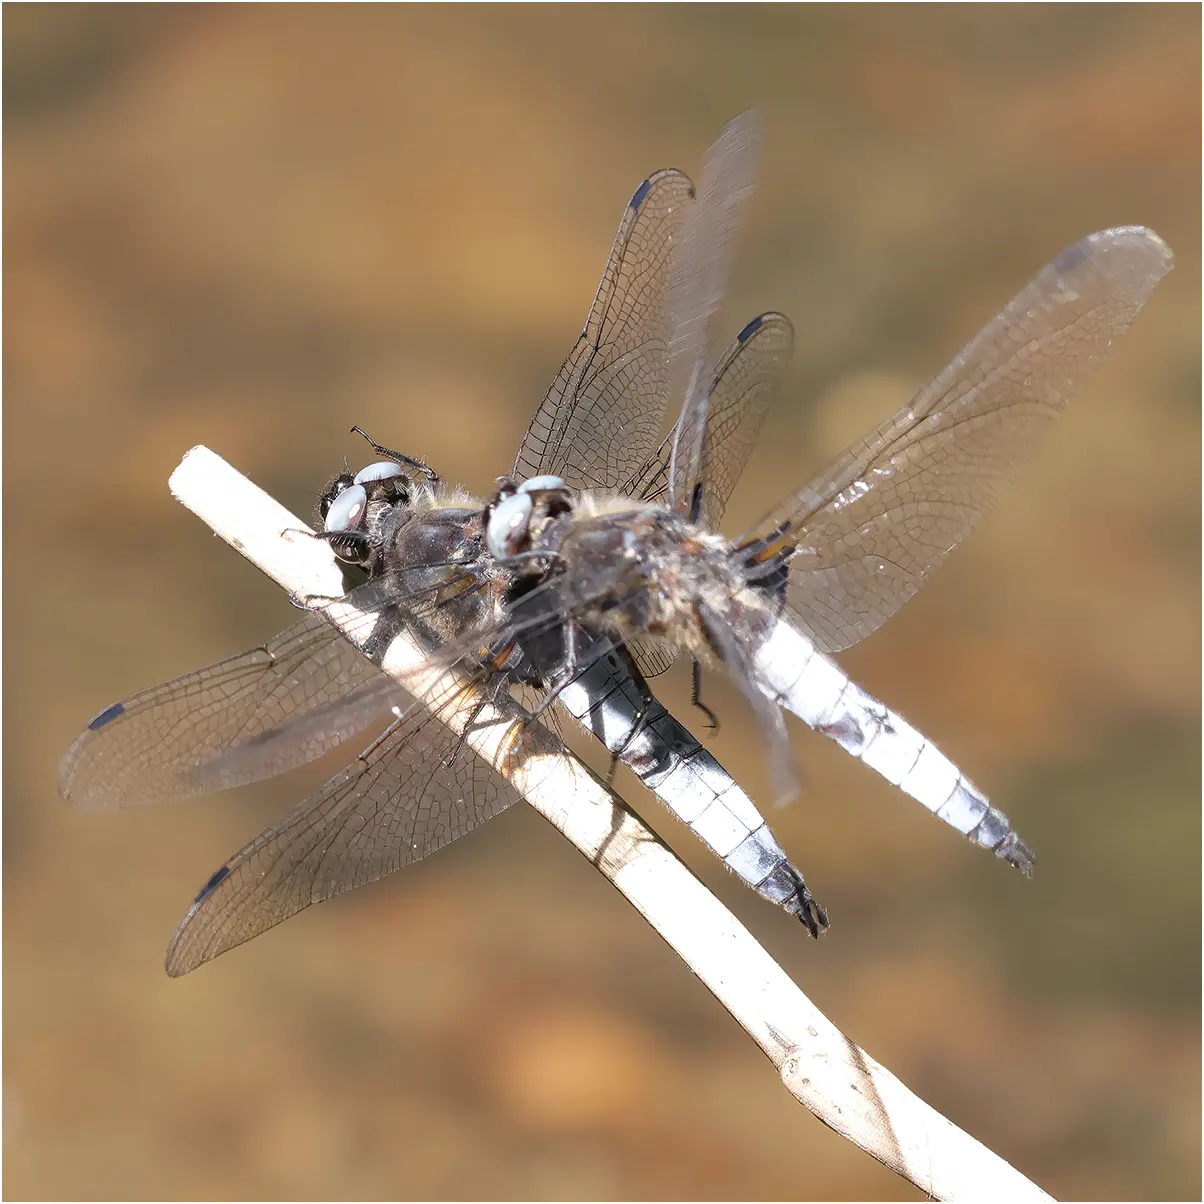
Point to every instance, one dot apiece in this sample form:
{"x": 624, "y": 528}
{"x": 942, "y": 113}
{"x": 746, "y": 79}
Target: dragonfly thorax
{"x": 644, "y": 570}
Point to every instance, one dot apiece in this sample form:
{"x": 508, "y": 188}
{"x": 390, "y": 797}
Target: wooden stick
{"x": 823, "y": 1069}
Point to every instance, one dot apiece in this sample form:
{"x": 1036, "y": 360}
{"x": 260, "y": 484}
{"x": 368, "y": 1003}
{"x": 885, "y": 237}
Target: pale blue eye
{"x": 508, "y": 525}
{"x": 347, "y": 510}
{"x": 380, "y": 471}
{"x": 541, "y": 484}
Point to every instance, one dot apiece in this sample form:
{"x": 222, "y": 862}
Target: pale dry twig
{"x": 840, "y": 1083}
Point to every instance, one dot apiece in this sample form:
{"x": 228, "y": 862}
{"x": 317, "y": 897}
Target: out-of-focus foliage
{"x": 254, "y": 226}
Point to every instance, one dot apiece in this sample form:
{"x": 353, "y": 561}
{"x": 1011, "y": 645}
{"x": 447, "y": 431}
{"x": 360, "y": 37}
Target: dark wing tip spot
{"x": 107, "y": 716}
{"x": 215, "y": 880}
{"x": 640, "y": 193}
{"x": 751, "y": 329}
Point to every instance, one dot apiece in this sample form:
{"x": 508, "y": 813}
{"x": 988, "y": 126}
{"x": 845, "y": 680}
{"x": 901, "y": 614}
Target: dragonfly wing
{"x": 651, "y": 655}
{"x": 604, "y": 410}
{"x": 414, "y": 790}
{"x": 699, "y": 283}
{"x": 450, "y": 616}
{"x": 148, "y": 748}
{"x": 745, "y": 381}
{"x": 870, "y": 528}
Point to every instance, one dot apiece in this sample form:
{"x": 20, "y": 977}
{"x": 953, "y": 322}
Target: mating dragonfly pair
{"x": 597, "y": 562}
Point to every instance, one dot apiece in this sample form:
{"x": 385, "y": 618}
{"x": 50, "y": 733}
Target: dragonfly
{"x": 839, "y": 556}
{"x": 408, "y": 794}
{"x": 591, "y": 571}
{"x": 308, "y": 690}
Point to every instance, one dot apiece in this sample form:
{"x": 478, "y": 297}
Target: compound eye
{"x": 331, "y": 492}
{"x": 544, "y": 484}
{"x": 381, "y": 471}
{"x": 508, "y": 525}
{"x": 346, "y": 512}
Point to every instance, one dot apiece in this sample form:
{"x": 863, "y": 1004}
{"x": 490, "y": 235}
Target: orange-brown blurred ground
{"x": 251, "y": 227}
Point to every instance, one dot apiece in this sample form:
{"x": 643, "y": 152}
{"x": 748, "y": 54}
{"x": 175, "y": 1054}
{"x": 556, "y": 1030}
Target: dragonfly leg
{"x": 696, "y": 698}
{"x": 567, "y": 671}
{"x": 617, "y": 754}
{"x": 773, "y": 726}
{"x": 572, "y": 668}
{"x": 488, "y": 698}
{"x": 353, "y": 547}
{"x": 399, "y": 457}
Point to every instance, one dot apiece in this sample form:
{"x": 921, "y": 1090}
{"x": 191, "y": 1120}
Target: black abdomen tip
{"x": 1015, "y": 852}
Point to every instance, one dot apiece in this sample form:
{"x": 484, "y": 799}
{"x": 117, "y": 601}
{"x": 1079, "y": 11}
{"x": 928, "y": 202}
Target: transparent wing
{"x": 745, "y": 382}
{"x": 603, "y": 412}
{"x": 414, "y": 790}
{"x": 481, "y": 645}
{"x": 588, "y": 432}
{"x": 698, "y": 285}
{"x": 651, "y": 656}
{"x": 456, "y": 619}
{"x": 148, "y": 748}
{"x": 869, "y": 530}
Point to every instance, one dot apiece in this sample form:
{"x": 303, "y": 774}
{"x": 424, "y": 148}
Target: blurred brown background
{"x": 250, "y": 227}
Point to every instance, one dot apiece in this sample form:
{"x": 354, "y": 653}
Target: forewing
{"x": 605, "y": 408}
{"x": 149, "y": 747}
{"x": 745, "y": 381}
{"x": 414, "y": 790}
{"x": 872, "y": 527}
{"x": 381, "y": 608}
{"x": 699, "y": 282}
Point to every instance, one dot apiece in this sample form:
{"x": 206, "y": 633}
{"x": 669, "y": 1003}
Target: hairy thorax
{"x": 646, "y": 569}
{"x": 431, "y": 555}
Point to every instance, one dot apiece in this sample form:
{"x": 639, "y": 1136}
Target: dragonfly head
{"x": 520, "y": 510}
{"x": 350, "y": 505}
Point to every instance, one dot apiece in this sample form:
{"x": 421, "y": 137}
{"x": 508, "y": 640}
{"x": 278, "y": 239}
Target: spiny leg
{"x": 641, "y": 719}
{"x": 488, "y": 698}
{"x": 398, "y": 457}
{"x": 696, "y": 698}
{"x": 566, "y": 673}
